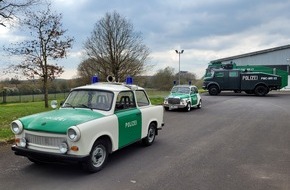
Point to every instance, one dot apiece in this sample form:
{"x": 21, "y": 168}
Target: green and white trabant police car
{"x": 94, "y": 121}
{"x": 184, "y": 97}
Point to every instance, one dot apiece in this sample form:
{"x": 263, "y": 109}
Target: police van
{"x": 237, "y": 80}
{"x": 93, "y": 122}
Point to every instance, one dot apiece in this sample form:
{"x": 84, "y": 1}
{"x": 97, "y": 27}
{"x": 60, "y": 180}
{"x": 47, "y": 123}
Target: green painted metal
{"x": 58, "y": 121}
{"x": 130, "y": 126}
{"x": 253, "y": 68}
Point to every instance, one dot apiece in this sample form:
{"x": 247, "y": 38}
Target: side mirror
{"x": 53, "y": 104}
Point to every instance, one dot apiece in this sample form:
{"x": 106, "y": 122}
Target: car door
{"x": 129, "y": 119}
{"x": 193, "y": 95}
{"x": 233, "y": 82}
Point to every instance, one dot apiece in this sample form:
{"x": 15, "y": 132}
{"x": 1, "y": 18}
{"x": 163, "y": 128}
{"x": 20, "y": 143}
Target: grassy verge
{"x": 10, "y": 112}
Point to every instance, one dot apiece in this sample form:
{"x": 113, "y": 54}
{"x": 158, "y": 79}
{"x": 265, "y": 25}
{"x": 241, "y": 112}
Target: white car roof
{"x": 184, "y": 85}
{"x": 115, "y": 87}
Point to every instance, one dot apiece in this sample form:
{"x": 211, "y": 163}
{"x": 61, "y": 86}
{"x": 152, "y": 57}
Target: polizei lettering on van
{"x": 250, "y": 77}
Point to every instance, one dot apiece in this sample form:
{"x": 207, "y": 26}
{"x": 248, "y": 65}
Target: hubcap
{"x": 98, "y": 156}
{"x": 151, "y": 134}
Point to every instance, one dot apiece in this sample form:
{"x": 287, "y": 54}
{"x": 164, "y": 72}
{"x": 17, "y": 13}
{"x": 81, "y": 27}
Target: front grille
{"x": 173, "y": 100}
{"x": 43, "y": 140}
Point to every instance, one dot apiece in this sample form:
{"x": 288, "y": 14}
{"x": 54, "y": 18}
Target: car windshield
{"x": 91, "y": 99}
{"x": 182, "y": 90}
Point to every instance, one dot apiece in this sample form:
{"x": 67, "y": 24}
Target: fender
{"x": 213, "y": 83}
{"x": 261, "y": 83}
{"x": 114, "y": 144}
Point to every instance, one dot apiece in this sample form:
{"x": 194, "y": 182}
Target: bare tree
{"x": 87, "y": 69}
{"x": 10, "y": 9}
{"x": 116, "y": 48}
{"x": 47, "y": 43}
{"x": 186, "y": 77}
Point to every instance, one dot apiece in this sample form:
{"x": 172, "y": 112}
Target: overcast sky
{"x": 205, "y": 29}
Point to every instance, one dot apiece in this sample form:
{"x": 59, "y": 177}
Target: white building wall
{"x": 280, "y": 57}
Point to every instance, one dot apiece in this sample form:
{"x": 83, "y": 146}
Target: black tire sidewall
{"x": 213, "y": 90}
{"x": 146, "y": 141}
{"x": 88, "y": 165}
{"x": 260, "y": 90}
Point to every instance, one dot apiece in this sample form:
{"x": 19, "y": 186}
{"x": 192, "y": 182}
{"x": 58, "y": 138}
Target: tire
{"x": 199, "y": 104}
{"x": 213, "y": 90}
{"x": 149, "y": 139}
{"x": 261, "y": 90}
{"x": 98, "y": 157}
{"x": 188, "y": 107}
{"x": 166, "y": 108}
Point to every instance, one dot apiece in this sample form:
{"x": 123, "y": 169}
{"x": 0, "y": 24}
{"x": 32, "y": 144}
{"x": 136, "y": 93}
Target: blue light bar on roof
{"x": 129, "y": 80}
{"x": 94, "y": 79}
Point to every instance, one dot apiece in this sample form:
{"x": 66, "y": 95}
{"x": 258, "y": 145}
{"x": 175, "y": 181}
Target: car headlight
{"x": 16, "y": 127}
{"x": 74, "y": 133}
{"x": 23, "y": 142}
{"x": 63, "y": 147}
{"x": 183, "y": 101}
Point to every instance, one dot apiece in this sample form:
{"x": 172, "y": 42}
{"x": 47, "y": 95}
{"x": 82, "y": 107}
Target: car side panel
{"x": 149, "y": 114}
{"x": 92, "y": 130}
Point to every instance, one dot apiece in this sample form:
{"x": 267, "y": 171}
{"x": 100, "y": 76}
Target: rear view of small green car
{"x": 86, "y": 130}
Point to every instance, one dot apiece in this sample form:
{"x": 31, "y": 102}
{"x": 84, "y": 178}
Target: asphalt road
{"x": 235, "y": 142}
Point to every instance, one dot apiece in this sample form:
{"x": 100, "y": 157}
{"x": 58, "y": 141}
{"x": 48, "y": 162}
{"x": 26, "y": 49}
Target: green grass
{"x": 10, "y": 112}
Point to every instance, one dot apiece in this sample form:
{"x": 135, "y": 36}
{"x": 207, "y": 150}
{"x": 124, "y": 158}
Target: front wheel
{"x": 188, "y": 107}
{"x": 213, "y": 90}
{"x": 98, "y": 157}
{"x": 149, "y": 139}
{"x": 199, "y": 104}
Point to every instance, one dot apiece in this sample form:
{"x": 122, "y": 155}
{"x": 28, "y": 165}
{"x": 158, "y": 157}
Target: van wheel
{"x": 213, "y": 90}
{"x": 261, "y": 90}
{"x": 98, "y": 157}
{"x": 149, "y": 139}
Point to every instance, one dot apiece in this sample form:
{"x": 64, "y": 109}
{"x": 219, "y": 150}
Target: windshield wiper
{"x": 84, "y": 106}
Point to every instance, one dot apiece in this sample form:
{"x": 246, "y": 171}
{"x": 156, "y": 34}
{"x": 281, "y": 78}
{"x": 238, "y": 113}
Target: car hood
{"x": 58, "y": 121}
{"x": 178, "y": 95}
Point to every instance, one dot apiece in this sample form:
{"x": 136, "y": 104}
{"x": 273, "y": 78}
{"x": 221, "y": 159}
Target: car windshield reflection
{"x": 90, "y": 99}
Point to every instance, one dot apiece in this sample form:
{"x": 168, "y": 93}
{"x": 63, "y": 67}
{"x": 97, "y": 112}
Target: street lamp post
{"x": 179, "y": 52}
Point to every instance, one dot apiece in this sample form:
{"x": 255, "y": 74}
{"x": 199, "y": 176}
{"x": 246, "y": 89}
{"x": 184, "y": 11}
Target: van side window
{"x": 219, "y": 74}
{"x": 233, "y": 74}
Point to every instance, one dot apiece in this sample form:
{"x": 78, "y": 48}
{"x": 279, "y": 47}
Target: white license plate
{"x": 173, "y": 107}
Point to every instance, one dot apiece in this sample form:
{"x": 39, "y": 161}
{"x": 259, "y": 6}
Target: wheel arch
{"x": 156, "y": 124}
{"x": 213, "y": 83}
{"x": 106, "y": 138}
{"x": 261, "y": 84}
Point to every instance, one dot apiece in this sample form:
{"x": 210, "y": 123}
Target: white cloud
{"x": 205, "y": 29}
